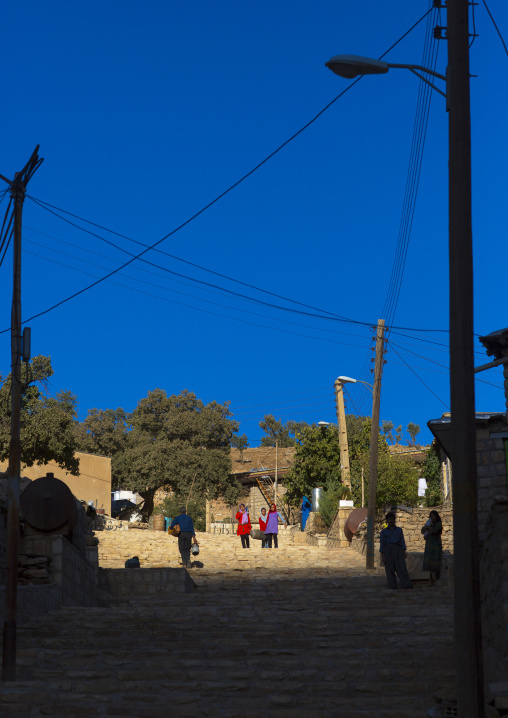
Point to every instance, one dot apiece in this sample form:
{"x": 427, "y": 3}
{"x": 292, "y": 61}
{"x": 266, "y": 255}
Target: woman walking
{"x": 244, "y": 527}
{"x": 433, "y": 556}
{"x": 272, "y": 526}
{"x": 262, "y": 527}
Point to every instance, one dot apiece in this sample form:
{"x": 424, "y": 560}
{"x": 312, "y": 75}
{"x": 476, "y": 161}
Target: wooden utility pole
{"x": 276, "y": 471}
{"x": 374, "y": 434}
{"x": 363, "y": 490}
{"x": 208, "y": 517}
{"x": 468, "y": 634}
{"x": 341, "y": 421}
{"x": 17, "y": 189}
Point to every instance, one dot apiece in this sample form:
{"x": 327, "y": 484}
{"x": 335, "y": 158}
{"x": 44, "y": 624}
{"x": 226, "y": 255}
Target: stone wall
{"x": 32, "y": 601}
{"x": 69, "y": 570}
{"x": 494, "y": 590}
{"x": 491, "y": 457}
{"x": 336, "y": 536}
{"x": 411, "y": 524}
{"x": 145, "y": 582}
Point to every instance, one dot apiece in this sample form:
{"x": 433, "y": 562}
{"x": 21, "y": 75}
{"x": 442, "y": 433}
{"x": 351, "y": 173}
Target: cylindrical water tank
{"x": 316, "y": 497}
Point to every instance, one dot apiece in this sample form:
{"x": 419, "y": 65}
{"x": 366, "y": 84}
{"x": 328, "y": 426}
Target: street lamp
{"x": 469, "y": 658}
{"x": 350, "y": 66}
{"x": 348, "y": 380}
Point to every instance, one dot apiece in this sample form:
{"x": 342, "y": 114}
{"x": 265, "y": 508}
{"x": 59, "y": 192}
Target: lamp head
{"x": 350, "y": 66}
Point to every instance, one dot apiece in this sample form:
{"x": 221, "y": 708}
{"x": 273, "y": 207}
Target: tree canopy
{"x": 172, "y": 442}
{"x": 318, "y": 463}
{"x": 317, "y": 459}
{"x": 276, "y": 431}
{"x": 47, "y": 423}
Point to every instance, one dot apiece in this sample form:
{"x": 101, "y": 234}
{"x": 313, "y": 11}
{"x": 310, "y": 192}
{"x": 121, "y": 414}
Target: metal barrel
{"x": 158, "y": 522}
{"x": 317, "y": 493}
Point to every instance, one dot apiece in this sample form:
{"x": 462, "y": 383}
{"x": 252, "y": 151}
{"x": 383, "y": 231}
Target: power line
{"x": 189, "y": 306}
{"x": 225, "y": 192}
{"x": 136, "y": 279}
{"x": 495, "y": 25}
{"x": 419, "y": 378}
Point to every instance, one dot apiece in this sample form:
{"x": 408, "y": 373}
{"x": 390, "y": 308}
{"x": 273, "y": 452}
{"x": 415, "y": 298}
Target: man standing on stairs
{"x": 186, "y": 537}
{"x": 393, "y": 553}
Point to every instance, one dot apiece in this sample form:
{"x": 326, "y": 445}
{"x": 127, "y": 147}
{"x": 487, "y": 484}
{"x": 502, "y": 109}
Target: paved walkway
{"x": 298, "y": 632}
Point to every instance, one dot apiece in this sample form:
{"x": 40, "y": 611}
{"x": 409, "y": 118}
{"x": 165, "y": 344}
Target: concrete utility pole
{"x": 468, "y": 634}
{"x": 341, "y": 421}
{"x": 374, "y": 434}
{"x": 18, "y": 189}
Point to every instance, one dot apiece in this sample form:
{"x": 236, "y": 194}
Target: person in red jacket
{"x": 262, "y": 525}
{"x": 244, "y": 527}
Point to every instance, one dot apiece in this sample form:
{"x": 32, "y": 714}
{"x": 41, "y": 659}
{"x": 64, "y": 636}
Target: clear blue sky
{"x": 145, "y": 113}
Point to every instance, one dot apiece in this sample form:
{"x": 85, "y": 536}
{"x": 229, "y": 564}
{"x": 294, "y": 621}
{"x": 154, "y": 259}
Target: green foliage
{"x": 240, "y": 443}
{"x": 275, "y": 430}
{"x": 196, "y": 509}
{"x": 397, "y": 481}
{"x": 387, "y": 429}
{"x": 104, "y": 431}
{"x": 432, "y": 472}
{"x": 333, "y": 492}
{"x": 168, "y": 442}
{"x": 47, "y": 423}
{"x": 413, "y": 430}
{"x": 317, "y": 459}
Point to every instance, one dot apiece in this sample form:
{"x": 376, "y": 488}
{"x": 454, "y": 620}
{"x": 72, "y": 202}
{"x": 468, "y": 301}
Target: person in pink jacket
{"x": 272, "y": 527}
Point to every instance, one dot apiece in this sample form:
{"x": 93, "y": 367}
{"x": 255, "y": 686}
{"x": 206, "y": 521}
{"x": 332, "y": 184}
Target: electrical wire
{"x": 495, "y": 25}
{"x": 420, "y": 379}
{"x": 173, "y": 290}
{"x": 199, "y": 299}
{"x": 188, "y": 306}
{"x": 229, "y": 189}
{"x": 429, "y": 60}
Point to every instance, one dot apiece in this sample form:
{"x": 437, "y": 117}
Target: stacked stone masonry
{"x": 494, "y": 590}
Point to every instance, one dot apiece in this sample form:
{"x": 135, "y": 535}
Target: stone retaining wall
{"x": 411, "y": 524}
{"x": 74, "y": 576}
{"x": 145, "y": 582}
{"x": 494, "y": 590}
{"x": 33, "y": 600}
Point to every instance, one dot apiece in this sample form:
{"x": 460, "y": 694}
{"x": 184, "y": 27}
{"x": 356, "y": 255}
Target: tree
{"x": 317, "y": 459}
{"x": 276, "y": 431}
{"x": 397, "y": 480}
{"x": 240, "y": 443}
{"x": 413, "y": 430}
{"x": 333, "y": 492}
{"x": 47, "y": 423}
{"x": 432, "y": 473}
{"x": 398, "y": 434}
{"x": 104, "y": 431}
{"x": 175, "y": 442}
{"x": 387, "y": 429}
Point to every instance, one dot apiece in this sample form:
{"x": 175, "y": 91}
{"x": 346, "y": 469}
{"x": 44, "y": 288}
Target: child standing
{"x": 262, "y": 526}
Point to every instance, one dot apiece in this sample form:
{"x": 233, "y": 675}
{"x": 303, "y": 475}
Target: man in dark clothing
{"x": 186, "y": 536}
{"x": 393, "y": 554}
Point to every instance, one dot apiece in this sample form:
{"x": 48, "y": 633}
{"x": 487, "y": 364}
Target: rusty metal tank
{"x": 48, "y": 506}
{"x": 355, "y": 518}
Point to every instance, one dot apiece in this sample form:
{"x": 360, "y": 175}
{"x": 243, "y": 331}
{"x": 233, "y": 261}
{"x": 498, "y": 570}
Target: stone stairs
{"x": 297, "y": 632}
